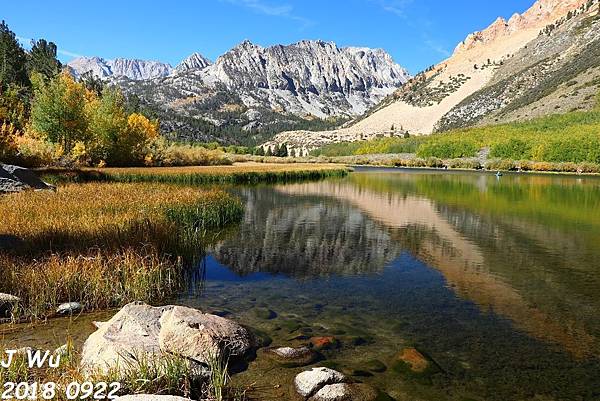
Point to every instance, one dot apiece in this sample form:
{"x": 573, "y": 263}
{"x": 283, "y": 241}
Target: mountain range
{"x": 544, "y": 61}
{"x": 307, "y": 94}
{"x": 252, "y": 92}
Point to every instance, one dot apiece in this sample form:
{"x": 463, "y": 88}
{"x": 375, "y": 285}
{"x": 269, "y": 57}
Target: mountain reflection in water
{"x": 525, "y": 248}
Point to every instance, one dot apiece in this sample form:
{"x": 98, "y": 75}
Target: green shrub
{"x": 514, "y": 148}
{"x": 449, "y": 147}
{"x": 501, "y": 165}
{"x": 471, "y": 164}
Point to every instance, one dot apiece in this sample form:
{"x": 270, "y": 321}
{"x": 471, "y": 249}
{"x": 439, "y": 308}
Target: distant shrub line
{"x": 492, "y": 165}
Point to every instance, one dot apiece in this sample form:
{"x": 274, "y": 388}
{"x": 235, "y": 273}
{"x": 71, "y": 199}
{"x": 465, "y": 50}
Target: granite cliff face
{"x": 251, "y": 93}
{"x": 505, "y": 48}
{"x": 308, "y": 77}
{"x": 120, "y": 67}
{"x": 541, "y": 13}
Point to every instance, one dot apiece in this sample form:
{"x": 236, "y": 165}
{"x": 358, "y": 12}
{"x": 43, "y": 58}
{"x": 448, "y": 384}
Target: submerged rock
{"x": 7, "y": 303}
{"x": 261, "y": 339}
{"x": 414, "y": 360}
{"x": 309, "y": 382}
{"x": 17, "y": 179}
{"x": 265, "y": 313}
{"x": 292, "y": 357}
{"x": 324, "y": 343}
{"x": 376, "y": 366}
{"x": 69, "y": 308}
{"x": 140, "y": 332}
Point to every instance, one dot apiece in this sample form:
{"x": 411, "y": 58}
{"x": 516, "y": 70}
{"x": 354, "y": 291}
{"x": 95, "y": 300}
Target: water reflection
{"x": 525, "y": 248}
{"x": 304, "y": 237}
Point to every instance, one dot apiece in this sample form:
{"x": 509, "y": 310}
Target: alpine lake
{"x": 494, "y": 280}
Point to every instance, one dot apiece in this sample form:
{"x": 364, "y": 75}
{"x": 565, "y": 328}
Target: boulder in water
{"x": 292, "y": 357}
{"x": 309, "y": 382}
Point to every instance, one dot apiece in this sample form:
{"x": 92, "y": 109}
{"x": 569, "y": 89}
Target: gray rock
{"x": 9, "y": 185}
{"x": 69, "y": 308}
{"x": 131, "y": 333}
{"x": 97, "y": 324}
{"x": 7, "y": 303}
{"x": 346, "y": 392}
{"x": 120, "y": 67}
{"x": 292, "y": 357}
{"x": 198, "y": 336}
{"x": 17, "y": 179}
{"x": 194, "y": 62}
{"x": 151, "y": 397}
{"x": 142, "y": 331}
{"x": 309, "y": 382}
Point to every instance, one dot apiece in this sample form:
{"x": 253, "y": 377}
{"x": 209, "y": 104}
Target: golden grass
{"x": 81, "y": 209}
{"x": 249, "y": 167}
{"x": 104, "y": 244}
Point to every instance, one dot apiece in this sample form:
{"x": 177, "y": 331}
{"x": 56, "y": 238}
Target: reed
{"x": 104, "y": 244}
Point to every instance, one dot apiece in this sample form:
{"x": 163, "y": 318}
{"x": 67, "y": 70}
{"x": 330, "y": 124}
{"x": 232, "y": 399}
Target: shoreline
{"x": 465, "y": 170}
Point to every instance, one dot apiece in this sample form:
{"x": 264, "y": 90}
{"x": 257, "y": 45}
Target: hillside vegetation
{"x": 562, "y": 138}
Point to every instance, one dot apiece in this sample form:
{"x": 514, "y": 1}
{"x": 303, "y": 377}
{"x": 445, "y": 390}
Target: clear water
{"x": 496, "y": 280}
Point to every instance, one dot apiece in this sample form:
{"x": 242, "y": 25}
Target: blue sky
{"x": 417, "y": 33}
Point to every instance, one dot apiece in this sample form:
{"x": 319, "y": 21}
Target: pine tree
{"x": 95, "y": 84}
{"x": 12, "y": 59}
{"x": 42, "y": 59}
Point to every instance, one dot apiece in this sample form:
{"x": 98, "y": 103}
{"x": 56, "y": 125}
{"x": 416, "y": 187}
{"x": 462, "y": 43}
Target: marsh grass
{"x": 243, "y": 173}
{"x": 104, "y": 244}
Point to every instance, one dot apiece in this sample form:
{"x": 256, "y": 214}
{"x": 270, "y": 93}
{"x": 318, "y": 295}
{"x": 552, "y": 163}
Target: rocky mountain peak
{"x": 139, "y": 69}
{"x": 196, "y": 61}
{"x": 541, "y": 13}
{"x": 120, "y": 67}
{"x": 310, "y": 68}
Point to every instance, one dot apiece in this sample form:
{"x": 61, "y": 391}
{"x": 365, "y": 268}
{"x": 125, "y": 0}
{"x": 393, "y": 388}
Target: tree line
{"x": 49, "y": 117}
